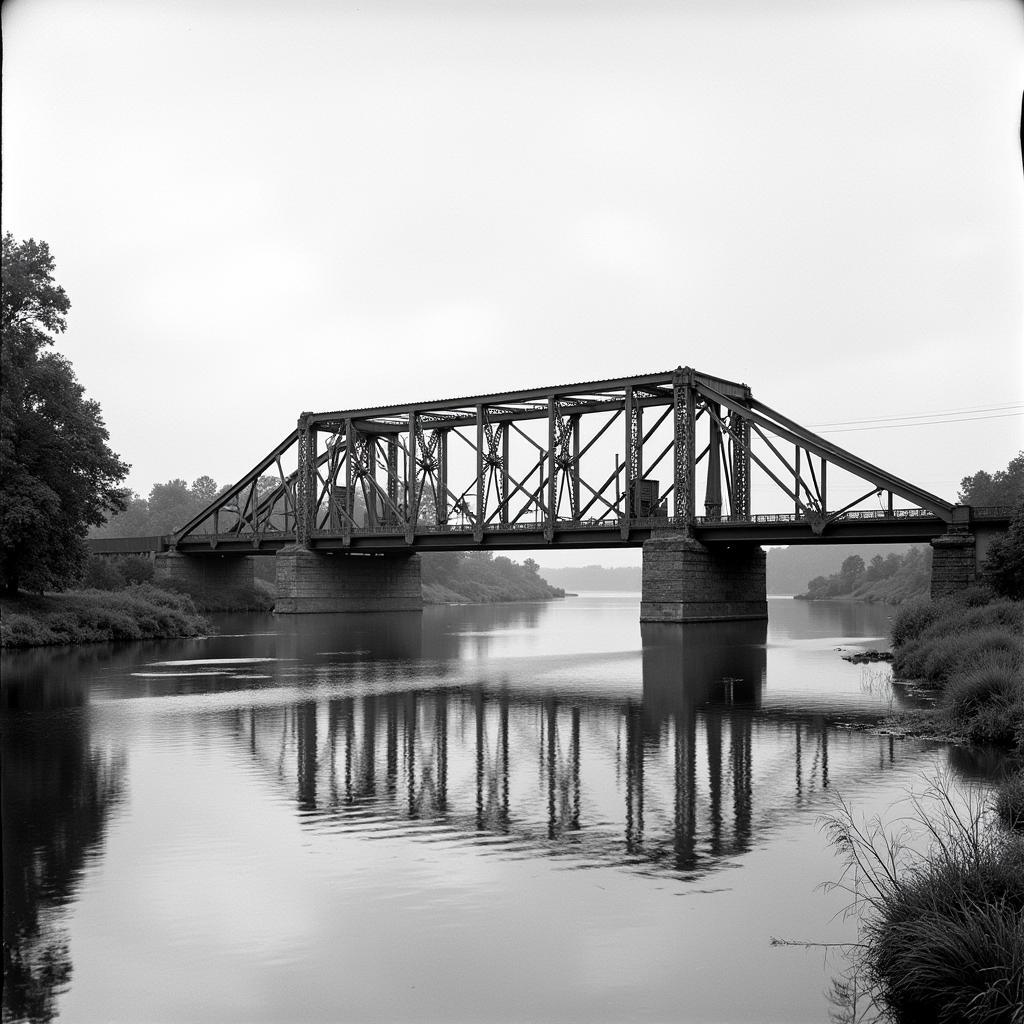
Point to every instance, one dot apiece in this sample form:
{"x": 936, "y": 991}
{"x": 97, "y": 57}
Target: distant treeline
{"x": 479, "y": 576}
{"x": 788, "y": 569}
{"x": 892, "y": 579}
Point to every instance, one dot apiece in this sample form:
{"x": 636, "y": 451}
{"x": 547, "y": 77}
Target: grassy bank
{"x": 941, "y": 929}
{"x": 140, "y": 612}
{"x": 970, "y": 650}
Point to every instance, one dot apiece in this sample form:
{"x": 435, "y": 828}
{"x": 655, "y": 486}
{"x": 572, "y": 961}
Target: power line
{"x": 922, "y": 415}
{"x": 928, "y": 423}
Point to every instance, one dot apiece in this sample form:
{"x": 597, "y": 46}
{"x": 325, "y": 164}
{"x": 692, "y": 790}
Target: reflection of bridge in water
{"x": 687, "y": 776}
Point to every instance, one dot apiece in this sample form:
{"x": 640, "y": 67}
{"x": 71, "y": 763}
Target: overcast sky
{"x": 262, "y": 208}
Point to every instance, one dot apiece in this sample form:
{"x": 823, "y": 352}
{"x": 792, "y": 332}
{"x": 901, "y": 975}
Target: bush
{"x": 88, "y": 616}
{"x": 136, "y": 569}
{"x": 101, "y": 573}
{"x": 942, "y": 931}
{"x": 937, "y": 656}
{"x": 988, "y": 683}
{"x": 912, "y": 619}
{"x": 994, "y": 724}
{"x": 24, "y": 631}
{"x": 1009, "y": 803}
{"x": 959, "y": 618}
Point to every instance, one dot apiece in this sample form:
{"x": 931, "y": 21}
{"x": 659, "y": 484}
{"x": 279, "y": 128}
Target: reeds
{"x": 941, "y": 924}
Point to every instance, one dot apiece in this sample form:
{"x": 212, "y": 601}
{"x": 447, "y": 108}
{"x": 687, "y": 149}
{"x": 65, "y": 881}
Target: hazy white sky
{"x": 262, "y": 208}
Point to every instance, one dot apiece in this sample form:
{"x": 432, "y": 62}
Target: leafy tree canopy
{"x": 169, "y": 506}
{"x": 1004, "y": 564}
{"x": 58, "y": 477}
{"x": 1003, "y": 487}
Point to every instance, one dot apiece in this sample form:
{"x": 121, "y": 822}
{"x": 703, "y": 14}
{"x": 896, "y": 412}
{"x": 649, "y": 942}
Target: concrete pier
{"x": 954, "y": 563}
{"x": 203, "y": 572}
{"x": 314, "y": 581}
{"x": 686, "y": 581}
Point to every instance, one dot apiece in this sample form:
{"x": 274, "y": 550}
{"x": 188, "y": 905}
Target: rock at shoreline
{"x": 859, "y": 657}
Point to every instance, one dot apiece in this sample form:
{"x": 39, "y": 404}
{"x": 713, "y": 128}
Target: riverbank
{"x": 140, "y": 612}
{"x": 939, "y": 927}
{"x": 143, "y": 611}
{"x": 970, "y": 653}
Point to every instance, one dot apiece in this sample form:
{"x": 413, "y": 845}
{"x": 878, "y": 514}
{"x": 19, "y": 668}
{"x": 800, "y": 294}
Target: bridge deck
{"x": 900, "y": 526}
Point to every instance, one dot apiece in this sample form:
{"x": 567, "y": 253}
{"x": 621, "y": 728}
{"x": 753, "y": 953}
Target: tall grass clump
{"x": 973, "y": 654}
{"x": 1009, "y": 803}
{"x": 940, "y": 919}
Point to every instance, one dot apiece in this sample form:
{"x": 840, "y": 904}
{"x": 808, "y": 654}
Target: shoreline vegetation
{"x": 940, "y": 934}
{"x": 139, "y": 612}
{"x": 117, "y": 600}
{"x": 968, "y": 653}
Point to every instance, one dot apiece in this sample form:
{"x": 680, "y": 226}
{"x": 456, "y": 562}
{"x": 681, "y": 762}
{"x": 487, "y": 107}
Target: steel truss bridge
{"x": 604, "y": 463}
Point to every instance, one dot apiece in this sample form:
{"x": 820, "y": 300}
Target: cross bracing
{"x": 585, "y": 464}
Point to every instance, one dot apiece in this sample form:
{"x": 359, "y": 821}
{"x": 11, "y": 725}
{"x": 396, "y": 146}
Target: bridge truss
{"x": 588, "y": 464}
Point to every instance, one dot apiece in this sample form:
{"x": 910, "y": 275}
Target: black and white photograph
{"x": 512, "y": 512}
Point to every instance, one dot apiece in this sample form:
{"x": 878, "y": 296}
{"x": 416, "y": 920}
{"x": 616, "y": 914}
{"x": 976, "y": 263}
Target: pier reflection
{"x": 680, "y": 778}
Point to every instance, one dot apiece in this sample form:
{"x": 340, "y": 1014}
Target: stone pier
{"x": 686, "y": 581}
{"x": 203, "y": 572}
{"x": 315, "y": 581}
{"x": 954, "y": 563}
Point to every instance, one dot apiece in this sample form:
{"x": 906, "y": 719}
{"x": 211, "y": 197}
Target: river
{"x": 491, "y": 813}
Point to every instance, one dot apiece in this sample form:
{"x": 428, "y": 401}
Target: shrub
{"x": 101, "y": 574}
{"x": 1009, "y": 803}
{"x": 87, "y": 616}
{"x": 23, "y": 631}
{"x": 135, "y": 569}
{"x": 937, "y": 658}
{"x": 958, "y": 618}
{"x": 942, "y": 931}
{"x": 63, "y": 626}
{"x": 912, "y": 619}
{"x": 993, "y": 724}
{"x": 988, "y": 683}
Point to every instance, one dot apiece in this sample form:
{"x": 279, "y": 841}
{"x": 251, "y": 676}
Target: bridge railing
{"x": 796, "y": 517}
{"x": 993, "y": 512}
{"x": 989, "y": 513}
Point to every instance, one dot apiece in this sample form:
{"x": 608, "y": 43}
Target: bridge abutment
{"x": 202, "y": 572}
{"x": 686, "y": 581}
{"x": 315, "y": 581}
{"x": 954, "y": 563}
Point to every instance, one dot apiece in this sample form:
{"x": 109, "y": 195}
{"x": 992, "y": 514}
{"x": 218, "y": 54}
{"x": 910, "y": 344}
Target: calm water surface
{"x": 522, "y": 812}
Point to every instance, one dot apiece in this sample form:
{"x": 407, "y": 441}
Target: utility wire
{"x": 927, "y": 423}
{"x": 922, "y": 415}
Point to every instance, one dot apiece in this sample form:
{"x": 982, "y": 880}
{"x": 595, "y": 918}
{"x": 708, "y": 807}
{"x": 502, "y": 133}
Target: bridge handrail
{"x": 991, "y": 512}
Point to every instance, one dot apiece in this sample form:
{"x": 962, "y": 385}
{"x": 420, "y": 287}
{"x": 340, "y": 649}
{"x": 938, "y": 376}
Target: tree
{"x": 852, "y": 568}
{"x": 1004, "y": 564}
{"x": 133, "y": 521}
{"x": 1004, "y": 487}
{"x": 58, "y": 477}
